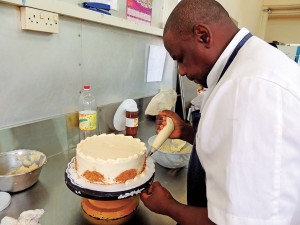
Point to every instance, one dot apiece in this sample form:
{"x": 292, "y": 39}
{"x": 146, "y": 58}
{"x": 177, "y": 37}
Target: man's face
{"x": 190, "y": 56}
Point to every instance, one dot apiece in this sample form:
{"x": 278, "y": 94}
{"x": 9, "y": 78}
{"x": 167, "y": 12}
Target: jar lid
{"x": 132, "y": 108}
{"x": 5, "y": 200}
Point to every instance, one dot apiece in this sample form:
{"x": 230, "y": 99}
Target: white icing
{"x": 130, "y": 194}
{"x": 110, "y": 155}
{"x": 136, "y": 182}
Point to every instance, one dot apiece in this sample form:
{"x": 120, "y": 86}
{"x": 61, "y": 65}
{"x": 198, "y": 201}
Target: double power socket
{"x": 39, "y": 20}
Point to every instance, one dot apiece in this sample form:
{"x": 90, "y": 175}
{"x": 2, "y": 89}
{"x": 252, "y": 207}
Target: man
{"x": 247, "y": 139}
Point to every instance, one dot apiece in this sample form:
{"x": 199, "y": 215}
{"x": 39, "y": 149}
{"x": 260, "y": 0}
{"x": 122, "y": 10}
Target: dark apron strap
{"x": 234, "y": 53}
{"x": 196, "y": 194}
{"x": 196, "y": 186}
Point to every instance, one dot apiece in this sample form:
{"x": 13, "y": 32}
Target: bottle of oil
{"x": 87, "y": 113}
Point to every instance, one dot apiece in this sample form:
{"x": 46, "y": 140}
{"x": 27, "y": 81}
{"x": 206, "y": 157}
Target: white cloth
{"x": 248, "y": 137}
{"x": 164, "y": 100}
{"x": 29, "y": 217}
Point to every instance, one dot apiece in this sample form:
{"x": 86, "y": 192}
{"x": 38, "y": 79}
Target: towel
{"x": 30, "y": 217}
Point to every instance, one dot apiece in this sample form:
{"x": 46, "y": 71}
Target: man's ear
{"x": 202, "y": 34}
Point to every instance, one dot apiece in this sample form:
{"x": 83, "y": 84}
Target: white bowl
{"x": 171, "y": 160}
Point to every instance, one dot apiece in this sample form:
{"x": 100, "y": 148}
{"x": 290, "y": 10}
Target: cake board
{"x": 95, "y": 191}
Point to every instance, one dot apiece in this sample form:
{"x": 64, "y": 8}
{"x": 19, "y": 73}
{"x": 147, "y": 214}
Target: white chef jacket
{"x": 248, "y": 138}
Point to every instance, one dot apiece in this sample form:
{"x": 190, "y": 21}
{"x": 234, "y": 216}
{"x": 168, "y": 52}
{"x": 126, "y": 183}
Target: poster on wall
{"x": 139, "y": 11}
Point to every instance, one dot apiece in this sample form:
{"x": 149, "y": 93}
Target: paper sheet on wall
{"x": 156, "y": 62}
{"x": 114, "y": 4}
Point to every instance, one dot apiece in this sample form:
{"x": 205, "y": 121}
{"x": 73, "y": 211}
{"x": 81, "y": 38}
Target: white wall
{"x": 41, "y": 74}
{"x": 282, "y": 22}
{"x": 283, "y": 29}
{"x": 233, "y": 7}
{"x": 246, "y": 13}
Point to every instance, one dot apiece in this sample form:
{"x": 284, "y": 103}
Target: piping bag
{"x": 161, "y": 137}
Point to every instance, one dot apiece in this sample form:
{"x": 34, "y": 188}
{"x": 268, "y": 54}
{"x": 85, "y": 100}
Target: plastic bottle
{"x": 87, "y": 113}
{"x": 131, "y": 121}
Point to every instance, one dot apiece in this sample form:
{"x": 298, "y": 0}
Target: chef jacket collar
{"x": 214, "y": 74}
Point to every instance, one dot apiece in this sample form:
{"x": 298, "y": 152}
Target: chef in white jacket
{"x": 247, "y": 141}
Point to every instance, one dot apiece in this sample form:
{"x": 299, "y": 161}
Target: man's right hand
{"x": 182, "y": 130}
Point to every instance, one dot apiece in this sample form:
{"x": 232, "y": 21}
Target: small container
{"x": 132, "y": 121}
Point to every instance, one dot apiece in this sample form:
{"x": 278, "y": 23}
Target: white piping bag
{"x": 161, "y": 137}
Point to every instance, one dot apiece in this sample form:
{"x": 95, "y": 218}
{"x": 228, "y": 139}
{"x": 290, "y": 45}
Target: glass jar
{"x": 132, "y": 121}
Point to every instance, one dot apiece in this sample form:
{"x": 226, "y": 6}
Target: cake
{"x": 110, "y": 158}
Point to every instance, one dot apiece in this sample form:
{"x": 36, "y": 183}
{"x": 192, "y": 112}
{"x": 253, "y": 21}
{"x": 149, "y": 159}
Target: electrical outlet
{"x": 39, "y": 20}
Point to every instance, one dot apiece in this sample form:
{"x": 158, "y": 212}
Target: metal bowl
{"x": 20, "y": 169}
{"x": 171, "y": 160}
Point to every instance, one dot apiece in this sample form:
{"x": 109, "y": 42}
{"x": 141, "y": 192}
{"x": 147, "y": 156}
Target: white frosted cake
{"x": 110, "y": 158}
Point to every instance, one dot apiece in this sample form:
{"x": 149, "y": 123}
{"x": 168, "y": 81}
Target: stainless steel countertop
{"x": 63, "y": 207}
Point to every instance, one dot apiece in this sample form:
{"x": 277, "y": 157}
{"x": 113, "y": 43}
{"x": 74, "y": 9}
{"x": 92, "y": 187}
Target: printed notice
{"x": 139, "y": 11}
{"x": 156, "y": 63}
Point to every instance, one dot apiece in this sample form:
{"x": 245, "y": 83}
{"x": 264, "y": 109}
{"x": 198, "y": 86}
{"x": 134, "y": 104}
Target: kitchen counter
{"x": 63, "y": 207}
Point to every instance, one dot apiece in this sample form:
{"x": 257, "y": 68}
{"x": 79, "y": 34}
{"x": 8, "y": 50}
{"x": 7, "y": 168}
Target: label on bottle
{"x": 132, "y": 122}
{"x": 88, "y": 120}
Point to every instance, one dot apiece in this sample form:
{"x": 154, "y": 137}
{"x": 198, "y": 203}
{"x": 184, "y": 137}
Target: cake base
{"x": 114, "y": 212}
{"x": 94, "y": 191}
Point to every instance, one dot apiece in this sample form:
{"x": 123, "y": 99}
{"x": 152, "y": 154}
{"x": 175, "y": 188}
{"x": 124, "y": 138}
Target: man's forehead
{"x": 172, "y": 45}
{"x": 170, "y": 36}
{"x": 169, "y": 40}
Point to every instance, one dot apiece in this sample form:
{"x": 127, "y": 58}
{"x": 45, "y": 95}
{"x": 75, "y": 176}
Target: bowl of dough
{"x": 174, "y": 153}
{"x": 20, "y": 169}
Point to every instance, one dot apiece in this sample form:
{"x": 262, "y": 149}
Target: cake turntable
{"x": 112, "y": 204}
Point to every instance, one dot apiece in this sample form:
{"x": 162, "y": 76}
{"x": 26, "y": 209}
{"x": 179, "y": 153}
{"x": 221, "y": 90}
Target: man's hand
{"x": 181, "y": 130}
{"x": 157, "y": 198}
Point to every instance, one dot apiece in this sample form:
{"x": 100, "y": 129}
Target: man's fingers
{"x": 144, "y": 195}
{"x": 149, "y": 190}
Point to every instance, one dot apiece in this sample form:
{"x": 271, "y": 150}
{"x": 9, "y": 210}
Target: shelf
{"x": 75, "y": 11}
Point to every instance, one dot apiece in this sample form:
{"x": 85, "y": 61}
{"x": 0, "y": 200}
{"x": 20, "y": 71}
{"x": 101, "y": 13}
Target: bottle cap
{"x": 86, "y": 87}
{"x": 132, "y": 108}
